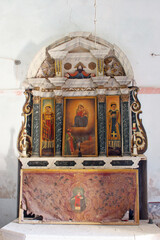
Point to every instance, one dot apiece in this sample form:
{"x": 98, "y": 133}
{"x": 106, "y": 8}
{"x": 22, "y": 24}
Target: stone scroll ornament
{"x": 24, "y": 143}
{"x": 140, "y": 133}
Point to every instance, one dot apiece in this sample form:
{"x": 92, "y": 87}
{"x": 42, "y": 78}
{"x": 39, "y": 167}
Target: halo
{"x": 113, "y": 103}
{"x": 47, "y": 105}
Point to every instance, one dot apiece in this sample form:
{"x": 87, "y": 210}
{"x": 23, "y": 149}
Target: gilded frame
{"x": 81, "y": 130}
{"x": 51, "y": 103}
{"x": 113, "y": 131}
{"x": 132, "y": 182}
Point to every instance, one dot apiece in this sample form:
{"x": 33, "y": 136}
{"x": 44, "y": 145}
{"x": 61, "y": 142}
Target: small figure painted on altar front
{"x": 78, "y": 200}
{"x": 81, "y": 118}
{"x": 79, "y": 73}
{"x": 70, "y": 143}
{"x": 114, "y": 123}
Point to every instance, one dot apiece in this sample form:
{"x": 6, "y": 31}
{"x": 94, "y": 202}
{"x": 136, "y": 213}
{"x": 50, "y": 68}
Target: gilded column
{"x": 36, "y": 126}
{"x": 59, "y": 125}
{"x": 100, "y": 67}
{"x": 58, "y": 67}
{"x": 101, "y": 124}
{"x": 125, "y": 125}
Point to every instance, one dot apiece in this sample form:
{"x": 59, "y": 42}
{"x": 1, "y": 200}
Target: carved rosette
{"x": 24, "y": 143}
{"x": 36, "y": 100}
{"x": 125, "y": 97}
{"x": 140, "y": 133}
{"x": 101, "y": 98}
{"x": 59, "y": 99}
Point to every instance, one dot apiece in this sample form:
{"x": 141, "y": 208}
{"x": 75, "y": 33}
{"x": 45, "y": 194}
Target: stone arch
{"x": 75, "y": 41}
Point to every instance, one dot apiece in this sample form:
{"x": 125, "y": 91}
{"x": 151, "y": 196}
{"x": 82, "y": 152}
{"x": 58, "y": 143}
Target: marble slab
{"x": 108, "y": 162}
{"x": 15, "y": 231}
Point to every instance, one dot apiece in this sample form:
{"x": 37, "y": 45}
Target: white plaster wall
{"x": 26, "y": 26}
{"x": 150, "y": 118}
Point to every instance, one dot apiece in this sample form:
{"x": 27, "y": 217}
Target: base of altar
{"x": 16, "y": 231}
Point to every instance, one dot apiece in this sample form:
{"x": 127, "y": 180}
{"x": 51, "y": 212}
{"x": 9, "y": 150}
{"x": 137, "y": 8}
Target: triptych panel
{"x": 47, "y": 138}
{"x": 80, "y": 126}
{"x": 113, "y": 126}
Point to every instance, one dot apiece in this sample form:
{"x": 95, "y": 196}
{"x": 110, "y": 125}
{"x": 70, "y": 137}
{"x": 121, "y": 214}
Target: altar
{"x": 15, "y": 231}
{"x": 82, "y": 142}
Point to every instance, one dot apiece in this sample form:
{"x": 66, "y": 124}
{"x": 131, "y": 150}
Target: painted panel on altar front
{"x": 113, "y": 126}
{"x": 79, "y": 196}
{"x": 80, "y": 126}
{"x": 47, "y": 141}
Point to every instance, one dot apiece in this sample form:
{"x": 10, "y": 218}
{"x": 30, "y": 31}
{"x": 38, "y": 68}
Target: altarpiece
{"x": 82, "y": 141}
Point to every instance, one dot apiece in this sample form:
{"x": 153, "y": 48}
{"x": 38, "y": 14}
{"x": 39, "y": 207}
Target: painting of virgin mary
{"x": 80, "y": 126}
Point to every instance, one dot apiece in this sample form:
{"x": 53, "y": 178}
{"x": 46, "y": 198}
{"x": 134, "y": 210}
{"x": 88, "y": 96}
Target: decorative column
{"x": 58, "y": 56}
{"x": 36, "y": 126}
{"x": 58, "y": 67}
{"x": 100, "y": 67}
{"x": 101, "y": 124}
{"x": 100, "y": 55}
{"x": 125, "y": 125}
{"x": 59, "y": 125}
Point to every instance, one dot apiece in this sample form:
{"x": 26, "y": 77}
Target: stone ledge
{"x": 15, "y": 231}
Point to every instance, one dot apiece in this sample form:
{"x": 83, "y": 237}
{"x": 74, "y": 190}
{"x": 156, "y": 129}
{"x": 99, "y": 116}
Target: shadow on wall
{"x": 8, "y": 177}
{"x": 26, "y": 56}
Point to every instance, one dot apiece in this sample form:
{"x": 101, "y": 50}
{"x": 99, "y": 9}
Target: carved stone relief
{"x": 112, "y": 67}
{"x": 47, "y": 68}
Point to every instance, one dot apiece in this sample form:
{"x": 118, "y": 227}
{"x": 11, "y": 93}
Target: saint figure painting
{"x": 47, "y": 127}
{"x": 78, "y": 200}
{"x": 113, "y": 126}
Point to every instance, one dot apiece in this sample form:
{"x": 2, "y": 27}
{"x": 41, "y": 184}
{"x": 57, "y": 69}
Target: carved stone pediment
{"x": 99, "y": 58}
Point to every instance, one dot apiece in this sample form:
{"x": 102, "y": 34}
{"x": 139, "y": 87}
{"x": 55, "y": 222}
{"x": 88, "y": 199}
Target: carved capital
{"x": 36, "y": 88}
{"x": 36, "y": 99}
{"x": 58, "y": 88}
{"x": 125, "y": 97}
{"x": 47, "y": 89}
{"x": 101, "y": 87}
{"x": 59, "y": 99}
{"x": 101, "y": 98}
